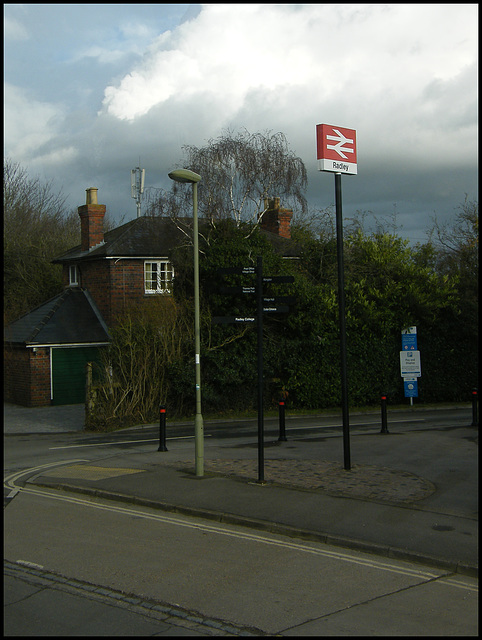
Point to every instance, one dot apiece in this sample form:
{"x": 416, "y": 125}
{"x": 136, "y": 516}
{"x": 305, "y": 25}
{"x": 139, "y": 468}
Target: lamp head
{"x": 184, "y": 175}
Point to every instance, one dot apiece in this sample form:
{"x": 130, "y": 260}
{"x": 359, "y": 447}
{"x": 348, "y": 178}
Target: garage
{"x": 69, "y": 373}
{"x": 46, "y": 351}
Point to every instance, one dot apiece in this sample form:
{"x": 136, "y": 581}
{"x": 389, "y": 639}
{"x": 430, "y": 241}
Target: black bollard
{"x": 282, "y": 432}
{"x": 162, "y": 428}
{"x": 384, "y": 414}
{"x": 475, "y": 421}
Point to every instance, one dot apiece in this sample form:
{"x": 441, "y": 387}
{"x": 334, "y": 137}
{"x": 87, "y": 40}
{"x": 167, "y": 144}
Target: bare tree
{"x": 239, "y": 171}
{"x": 134, "y": 378}
{"x": 460, "y": 238}
{"x": 37, "y": 227}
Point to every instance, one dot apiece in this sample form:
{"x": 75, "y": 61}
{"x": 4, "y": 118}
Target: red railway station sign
{"x": 336, "y": 149}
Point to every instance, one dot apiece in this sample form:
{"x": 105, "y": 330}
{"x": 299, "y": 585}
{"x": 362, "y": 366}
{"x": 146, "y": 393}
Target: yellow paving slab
{"x": 89, "y": 472}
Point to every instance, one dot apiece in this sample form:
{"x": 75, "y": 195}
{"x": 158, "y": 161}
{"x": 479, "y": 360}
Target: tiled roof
{"x": 71, "y": 317}
{"x": 283, "y": 246}
{"x": 155, "y": 237}
{"x": 142, "y": 237}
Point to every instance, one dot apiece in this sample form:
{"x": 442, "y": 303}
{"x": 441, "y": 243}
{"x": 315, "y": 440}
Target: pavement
{"x": 410, "y": 494}
{"x": 53, "y": 419}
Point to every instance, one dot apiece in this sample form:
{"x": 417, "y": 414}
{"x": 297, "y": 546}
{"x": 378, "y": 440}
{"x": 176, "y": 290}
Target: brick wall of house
{"x": 40, "y": 377}
{"x": 127, "y": 285}
{"x": 27, "y": 376}
{"x": 95, "y": 277}
{"x": 16, "y": 378}
{"x": 113, "y": 284}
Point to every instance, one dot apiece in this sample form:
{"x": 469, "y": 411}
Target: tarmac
{"x": 410, "y": 494}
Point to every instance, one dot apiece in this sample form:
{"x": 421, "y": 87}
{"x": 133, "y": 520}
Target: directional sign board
{"x": 410, "y": 364}
{"x": 280, "y": 308}
{"x": 237, "y": 271}
{"x": 232, "y": 319}
{"x": 336, "y": 149}
{"x": 278, "y": 299}
{"x": 244, "y": 271}
{"x": 267, "y": 304}
{"x": 278, "y": 279}
{"x": 236, "y": 290}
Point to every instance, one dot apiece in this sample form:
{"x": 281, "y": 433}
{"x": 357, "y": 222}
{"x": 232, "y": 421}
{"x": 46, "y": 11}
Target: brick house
{"x": 47, "y": 349}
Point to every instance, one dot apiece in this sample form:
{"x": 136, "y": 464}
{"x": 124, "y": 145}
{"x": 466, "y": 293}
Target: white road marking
{"x": 353, "y": 425}
{"x": 107, "y": 444}
{"x": 31, "y": 565}
{"x": 208, "y": 435}
{"x": 9, "y": 481}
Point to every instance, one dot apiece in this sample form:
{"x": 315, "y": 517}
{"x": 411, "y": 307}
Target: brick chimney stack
{"x": 276, "y": 219}
{"x": 91, "y": 221}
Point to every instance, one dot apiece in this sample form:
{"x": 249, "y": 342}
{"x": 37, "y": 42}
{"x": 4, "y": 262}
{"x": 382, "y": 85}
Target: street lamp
{"x": 184, "y": 175}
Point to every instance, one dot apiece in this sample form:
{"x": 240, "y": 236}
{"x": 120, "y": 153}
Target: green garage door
{"x": 68, "y": 373}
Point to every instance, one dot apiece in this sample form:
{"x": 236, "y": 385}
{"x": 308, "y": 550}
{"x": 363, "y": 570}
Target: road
{"x": 21, "y": 450}
{"x": 82, "y": 566}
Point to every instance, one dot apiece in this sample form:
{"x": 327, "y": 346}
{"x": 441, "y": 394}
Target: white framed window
{"x": 158, "y": 276}
{"x": 73, "y": 275}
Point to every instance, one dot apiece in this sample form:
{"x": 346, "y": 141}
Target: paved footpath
{"x": 61, "y": 419}
{"x": 410, "y": 494}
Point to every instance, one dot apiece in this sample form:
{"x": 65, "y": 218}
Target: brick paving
{"x": 367, "y": 482}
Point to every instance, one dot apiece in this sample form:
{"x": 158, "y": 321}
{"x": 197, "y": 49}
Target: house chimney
{"x": 276, "y": 219}
{"x": 91, "y": 221}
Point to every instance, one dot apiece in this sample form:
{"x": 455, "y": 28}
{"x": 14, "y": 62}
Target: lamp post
{"x": 184, "y": 175}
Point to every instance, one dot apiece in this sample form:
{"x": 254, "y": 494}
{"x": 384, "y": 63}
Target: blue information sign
{"x": 409, "y": 339}
{"x": 410, "y": 387}
{"x": 410, "y": 350}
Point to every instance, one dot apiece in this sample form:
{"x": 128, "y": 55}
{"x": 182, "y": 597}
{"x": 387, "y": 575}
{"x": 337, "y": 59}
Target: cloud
{"x": 14, "y": 30}
{"x": 118, "y": 43}
{"x": 404, "y": 76}
{"x": 224, "y": 52}
{"x": 344, "y": 49}
{"x": 28, "y": 123}
{"x": 385, "y": 69}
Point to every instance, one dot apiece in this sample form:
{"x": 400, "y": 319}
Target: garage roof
{"x": 71, "y": 317}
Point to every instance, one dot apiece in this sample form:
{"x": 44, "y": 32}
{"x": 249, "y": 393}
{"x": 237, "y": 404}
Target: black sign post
{"x": 341, "y": 307}
{"x": 259, "y": 317}
{"x": 264, "y": 304}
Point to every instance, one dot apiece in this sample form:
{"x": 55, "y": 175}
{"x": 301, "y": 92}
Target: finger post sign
{"x": 336, "y": 149}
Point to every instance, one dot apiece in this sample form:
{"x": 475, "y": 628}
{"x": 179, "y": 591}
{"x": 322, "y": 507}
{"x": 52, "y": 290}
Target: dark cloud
{"x": 123, "y": 82}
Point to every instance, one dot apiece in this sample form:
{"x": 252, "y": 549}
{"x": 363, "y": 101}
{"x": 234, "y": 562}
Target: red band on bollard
{"x": 162, "y": 411}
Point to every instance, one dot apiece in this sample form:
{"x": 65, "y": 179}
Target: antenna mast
{"x": 137, "y": 186}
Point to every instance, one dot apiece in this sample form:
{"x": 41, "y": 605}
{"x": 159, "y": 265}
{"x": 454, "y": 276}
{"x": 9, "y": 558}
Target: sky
{"x": 95, "y": 90}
